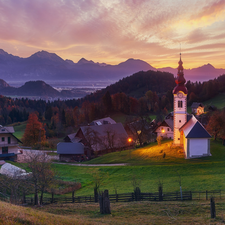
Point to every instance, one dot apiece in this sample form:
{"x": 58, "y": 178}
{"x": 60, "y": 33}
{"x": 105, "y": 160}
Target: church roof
{"x": 194, "y": 129}
{"x": 180, "y": 81}
{"x": 196, "y": 105}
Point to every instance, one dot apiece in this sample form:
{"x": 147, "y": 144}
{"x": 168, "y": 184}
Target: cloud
{"x": 111, "y": 30}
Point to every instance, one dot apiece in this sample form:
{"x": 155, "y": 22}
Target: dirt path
{"x": 73, "y": 164}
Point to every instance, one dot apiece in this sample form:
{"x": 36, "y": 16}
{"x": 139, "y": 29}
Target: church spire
{"x": 180, "y": 80}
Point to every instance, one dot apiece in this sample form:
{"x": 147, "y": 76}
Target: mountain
{"x": 50, "y": 67}
{"x": 31, "y": 88}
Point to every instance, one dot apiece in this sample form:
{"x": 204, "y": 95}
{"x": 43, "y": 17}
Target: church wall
{"x": 198, "y": 147}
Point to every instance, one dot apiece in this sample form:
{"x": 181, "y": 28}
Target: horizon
{"x": 112, "y": 32}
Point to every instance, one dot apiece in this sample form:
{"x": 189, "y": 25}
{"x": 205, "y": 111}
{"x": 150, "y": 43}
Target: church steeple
{"x": 180, "y": 80}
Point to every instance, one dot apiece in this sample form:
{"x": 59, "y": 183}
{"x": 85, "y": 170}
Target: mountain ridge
{"x": 47, "y": 66}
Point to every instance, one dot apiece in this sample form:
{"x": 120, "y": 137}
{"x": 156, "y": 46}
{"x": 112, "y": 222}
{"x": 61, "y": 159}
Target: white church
{"x": 187, "y": 130}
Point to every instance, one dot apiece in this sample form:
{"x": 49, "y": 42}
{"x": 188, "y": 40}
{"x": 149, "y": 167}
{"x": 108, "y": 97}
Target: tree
{"x": 216, "y": 123}
{"x": 107, "y": 102}
{"x": 34, "y": 133}
{"x": 42, "y": 175}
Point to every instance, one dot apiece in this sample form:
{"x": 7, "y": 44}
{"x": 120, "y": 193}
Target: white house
{"x": 165, "y": 129}
{"x": 195, "y": 139}
{"x": 8, "y": 143}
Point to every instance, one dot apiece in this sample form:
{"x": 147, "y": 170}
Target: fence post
{"x": 212, "y": 208}
{"x": 160, "y": 194}
{"x": 73, "y": 197}
{"x": 116, "y": 197}
{"x": 104, "y": 202}
{"x": 206, "y": 193}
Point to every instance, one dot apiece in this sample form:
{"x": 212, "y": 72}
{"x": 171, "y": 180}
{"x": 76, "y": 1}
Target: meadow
{"x": 147, "y": 168}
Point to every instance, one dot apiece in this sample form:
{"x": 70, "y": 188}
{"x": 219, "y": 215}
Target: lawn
{"x": 218, "y": 101}
{"x": 196, "y": 174}
{"x": 19, "y": 129}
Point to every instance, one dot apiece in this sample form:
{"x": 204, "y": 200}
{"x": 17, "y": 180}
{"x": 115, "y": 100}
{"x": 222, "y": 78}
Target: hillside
{"x": 138, "y": 84}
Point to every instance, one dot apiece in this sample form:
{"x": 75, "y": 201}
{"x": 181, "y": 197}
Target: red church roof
{"x": 180, "y": 81}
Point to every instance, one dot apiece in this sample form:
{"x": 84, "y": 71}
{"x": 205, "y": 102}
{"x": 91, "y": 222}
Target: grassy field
{"x": 19, "y": 129}
{"x": 190, "y": 212}
{"x": 147, "y": 167}
{"x": 218, "y": 101}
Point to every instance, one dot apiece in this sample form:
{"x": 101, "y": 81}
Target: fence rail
{"x": 130, "y": 197}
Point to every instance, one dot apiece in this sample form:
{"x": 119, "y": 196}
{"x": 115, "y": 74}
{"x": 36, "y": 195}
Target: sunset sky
{"x": 112, "y": 31}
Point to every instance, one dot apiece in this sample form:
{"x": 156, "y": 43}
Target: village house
{"x": 8, "y": 144}
{"x": 99, "y": 137}
{"x": 69, "y": 151}
{"x": 197, "y": 108}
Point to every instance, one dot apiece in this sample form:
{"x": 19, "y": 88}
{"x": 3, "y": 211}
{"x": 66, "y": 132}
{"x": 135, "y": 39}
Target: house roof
{"x": 70, "y": 148}
{"x": 102, "y": 121}
{"x": 6, "y": 130}
{"x": 196, "y": 105}
{"x": 73, "y": 138}
{"x": 115, "y": 131}
{"x": 194, "y": 129}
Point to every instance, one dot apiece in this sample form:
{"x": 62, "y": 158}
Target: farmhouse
{"x": 8, "y": 144}
{"x": 69, "y": 151}
{"x": 101, "y": 136}
{"x": 189, "y": 134}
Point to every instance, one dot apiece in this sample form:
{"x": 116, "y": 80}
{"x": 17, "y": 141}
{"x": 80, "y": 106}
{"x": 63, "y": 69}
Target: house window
{"x": 3, "y": 138}
{"x": 180, "y": 104}
{"x": 178, "y": 138}
{"x": 4, "y": 150}
{"x": 9, "y": 140}
{"x": 168, "y": 129}
{"x": 179, "y": 121}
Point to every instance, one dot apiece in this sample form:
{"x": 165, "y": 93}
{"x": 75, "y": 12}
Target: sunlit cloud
{"x": 112, "y": 31}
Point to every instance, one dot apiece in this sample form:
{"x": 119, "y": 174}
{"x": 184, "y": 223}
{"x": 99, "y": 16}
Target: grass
{"x": 19, "y": 129}
{"x": 190, "y": 212}
{"x": 147, "y": 169}
{"x": 218, "y": 101}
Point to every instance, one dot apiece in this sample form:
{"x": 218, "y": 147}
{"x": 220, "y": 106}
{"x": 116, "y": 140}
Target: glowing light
{"x": 163, "y": 131}
{"x": 129, "y": 139}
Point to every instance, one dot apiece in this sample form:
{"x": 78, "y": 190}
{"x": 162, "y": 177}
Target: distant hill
{"x": 138, "y": 84}
{"x": 48, "y": 67}
{"x": 31, "y": 88}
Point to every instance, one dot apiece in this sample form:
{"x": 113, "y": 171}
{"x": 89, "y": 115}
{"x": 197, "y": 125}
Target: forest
{"x": 144, "y": 93}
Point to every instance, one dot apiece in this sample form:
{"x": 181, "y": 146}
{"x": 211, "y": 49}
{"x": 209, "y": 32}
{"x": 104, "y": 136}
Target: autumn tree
{"x": 216, "y": 124}
{"x": 34, "y": 133}
{"x": 42, "y": 175}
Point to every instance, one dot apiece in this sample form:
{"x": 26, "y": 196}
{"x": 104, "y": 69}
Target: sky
{"x": 111, "y": 31}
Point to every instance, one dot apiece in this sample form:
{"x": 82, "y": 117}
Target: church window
{"x": 178, "y": 138}
{"x": 180, "y": 104}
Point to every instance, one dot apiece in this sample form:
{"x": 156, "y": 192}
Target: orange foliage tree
{"x": 216, "y": 125}
{"x": 34, "y": 133}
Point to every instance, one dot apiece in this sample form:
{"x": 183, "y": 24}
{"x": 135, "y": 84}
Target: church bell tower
{"x": 179, "y": 105}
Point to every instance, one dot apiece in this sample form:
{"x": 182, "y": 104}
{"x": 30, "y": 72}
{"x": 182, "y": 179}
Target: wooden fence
{"x": 130, "y": 197}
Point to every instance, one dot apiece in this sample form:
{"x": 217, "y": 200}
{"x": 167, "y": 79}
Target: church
{"x": 187, "y": 130}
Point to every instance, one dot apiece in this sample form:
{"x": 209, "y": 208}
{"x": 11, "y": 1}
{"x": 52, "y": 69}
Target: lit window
{"x": 180, "y": 104}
